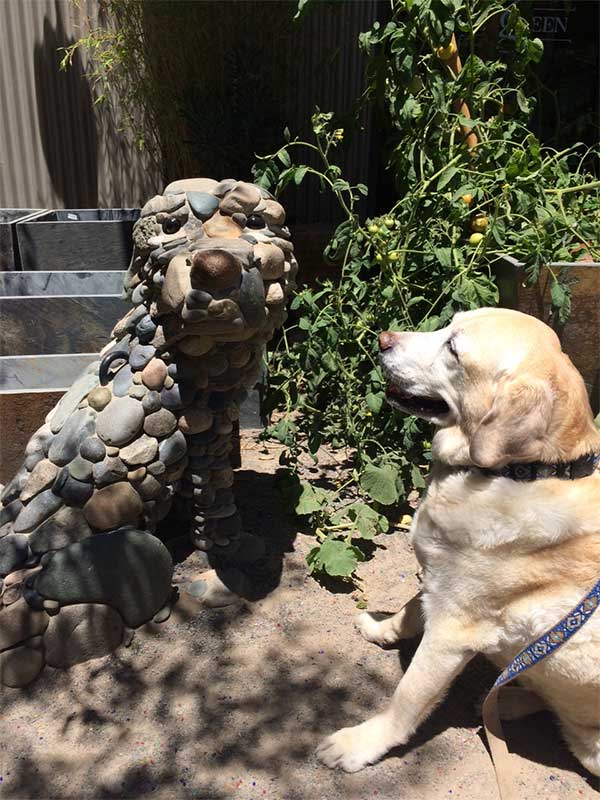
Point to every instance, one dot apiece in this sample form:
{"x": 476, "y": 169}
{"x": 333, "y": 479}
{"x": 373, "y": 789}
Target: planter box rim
{"x": 560, "y": 264}
{"x": 129, "y": 215}
{"x": 27, "y": 214}
{"x": 52, "y": 372}
{"x": 35, "y": 284}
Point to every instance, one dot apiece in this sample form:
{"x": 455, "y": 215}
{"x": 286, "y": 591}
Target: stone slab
{"x": 45, "y": 325}
{"x": 76, "y": 239}
{"x": 59, "y": 283}
{"x": 42, "y": 373}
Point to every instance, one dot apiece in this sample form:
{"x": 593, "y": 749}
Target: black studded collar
{"x": 582, "y": 467}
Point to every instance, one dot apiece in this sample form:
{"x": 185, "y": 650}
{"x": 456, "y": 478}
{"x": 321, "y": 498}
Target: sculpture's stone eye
{"x": 171, "y": 225}
{"x": 255, "y": 221}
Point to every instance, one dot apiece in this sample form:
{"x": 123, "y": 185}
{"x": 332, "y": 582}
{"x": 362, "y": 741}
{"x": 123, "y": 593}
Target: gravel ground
{"x": 231, "y": 703}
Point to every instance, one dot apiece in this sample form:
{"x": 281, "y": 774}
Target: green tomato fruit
{"x": 475, "y": 238}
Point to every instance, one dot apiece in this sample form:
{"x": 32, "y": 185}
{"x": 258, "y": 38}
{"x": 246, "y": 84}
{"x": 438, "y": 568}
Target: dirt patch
{"x": 231, "y": 703}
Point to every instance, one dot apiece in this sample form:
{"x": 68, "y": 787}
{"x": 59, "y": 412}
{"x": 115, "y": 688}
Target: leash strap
{"x": 535, "y": 652}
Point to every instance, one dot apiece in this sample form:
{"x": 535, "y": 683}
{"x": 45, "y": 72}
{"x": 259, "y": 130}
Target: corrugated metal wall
{"x": 57, "y": 148}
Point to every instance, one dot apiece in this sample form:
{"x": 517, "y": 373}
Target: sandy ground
{"x": 231, "y": 703}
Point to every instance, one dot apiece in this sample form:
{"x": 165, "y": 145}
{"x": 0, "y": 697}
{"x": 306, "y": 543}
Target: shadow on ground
{"x": 231, "y": 703}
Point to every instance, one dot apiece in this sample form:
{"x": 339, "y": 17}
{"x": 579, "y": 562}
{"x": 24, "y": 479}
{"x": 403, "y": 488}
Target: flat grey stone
{"x": 36, "y": 511}
{"x": 122, "y": 381}
{"x": 15, "y": 486}
{"x": 127, "y": 569}
{"x": 92, "y": 449}
{"x": 10, "y": 511}
{"x": 157, "y": 468}
{"x": 145, "y": 329}
{"x": 172, "y": 449}
{"x": 65, "y": 445}
{"x": 66, "y": 526}
{"x": 33, "y": 460}
{"x": 69, "y": 402}
{"x": 120, "y": 421}
{"x": 252, "y": 297}
{"x": 203, "y": 204}
{"x": 140, "y": 355}
{"x": 76, "y": 493}
{"x": 13, "y": 552}
{"x": 139, "y": 294}
{"x": 108, "y": 471}
{"x": 80, "y": 468}
{"x": 151, "y": 402}
{"x": 178, "y": 396}
{"x": 82, "y": 632}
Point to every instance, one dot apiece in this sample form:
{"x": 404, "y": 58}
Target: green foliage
{"x": 415, "y": 266}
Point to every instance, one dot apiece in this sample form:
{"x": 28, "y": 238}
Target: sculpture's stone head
{"x": 212, "y": 262}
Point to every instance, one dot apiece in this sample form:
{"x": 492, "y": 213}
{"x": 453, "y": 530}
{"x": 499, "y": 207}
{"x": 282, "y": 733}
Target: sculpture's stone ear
{"x": 515, "y": 426}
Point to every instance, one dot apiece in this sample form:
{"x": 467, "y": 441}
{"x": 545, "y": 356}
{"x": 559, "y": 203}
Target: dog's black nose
{"x": 387, "y": 340}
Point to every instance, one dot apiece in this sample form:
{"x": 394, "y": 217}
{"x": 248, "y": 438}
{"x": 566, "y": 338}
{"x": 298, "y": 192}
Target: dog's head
{"x": 497, "y": 384}
{"x": 212, "y": 260}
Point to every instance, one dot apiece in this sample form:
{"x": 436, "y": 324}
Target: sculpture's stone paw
{"x": 146, "y": 428}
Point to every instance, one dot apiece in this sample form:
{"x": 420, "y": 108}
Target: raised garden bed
{"x": 54, "y": 324}
{"x": 77, "y": 239}
{"x": 9, "y": 250}
{"x": 580, "y": 336}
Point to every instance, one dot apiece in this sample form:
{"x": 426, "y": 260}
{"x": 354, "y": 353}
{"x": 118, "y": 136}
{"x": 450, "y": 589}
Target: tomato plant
{"x": 473, "y": 183}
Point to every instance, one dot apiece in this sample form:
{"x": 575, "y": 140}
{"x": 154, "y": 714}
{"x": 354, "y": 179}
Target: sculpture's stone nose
{"x": 214, "y": 269}
{"x": 387, "y": 340}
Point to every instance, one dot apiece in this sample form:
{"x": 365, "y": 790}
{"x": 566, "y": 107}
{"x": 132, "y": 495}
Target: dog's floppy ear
{"x": 515, "y": 425}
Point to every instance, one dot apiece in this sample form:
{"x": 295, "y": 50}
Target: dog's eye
{"x": 171, "y": 225}
{"x": 255, "y": 221}
{"x": 451, "y": 345}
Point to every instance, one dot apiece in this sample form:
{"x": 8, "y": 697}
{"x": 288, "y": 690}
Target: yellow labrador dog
{"x": 508, "y": 535}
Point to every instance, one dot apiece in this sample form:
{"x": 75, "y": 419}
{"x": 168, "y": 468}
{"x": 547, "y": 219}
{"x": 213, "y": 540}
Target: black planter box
{"x": 77, "y": 239}
{"x": 9, "y": 251}
{"x": 580, "y": 336}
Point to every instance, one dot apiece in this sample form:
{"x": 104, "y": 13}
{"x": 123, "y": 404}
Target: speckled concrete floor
{"x": 231, "y": 703}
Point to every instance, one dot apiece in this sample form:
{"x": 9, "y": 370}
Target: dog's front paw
{"x": 378, "y": 631}
{"x": 355, "y": 748}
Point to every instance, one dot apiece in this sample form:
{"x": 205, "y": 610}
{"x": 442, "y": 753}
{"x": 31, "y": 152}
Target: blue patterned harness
{"x": 548, "y": 642}
{"x": 554, "y": 638}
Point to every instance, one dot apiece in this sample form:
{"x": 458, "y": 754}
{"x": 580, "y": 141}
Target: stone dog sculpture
{"x": 145, "y": 428}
